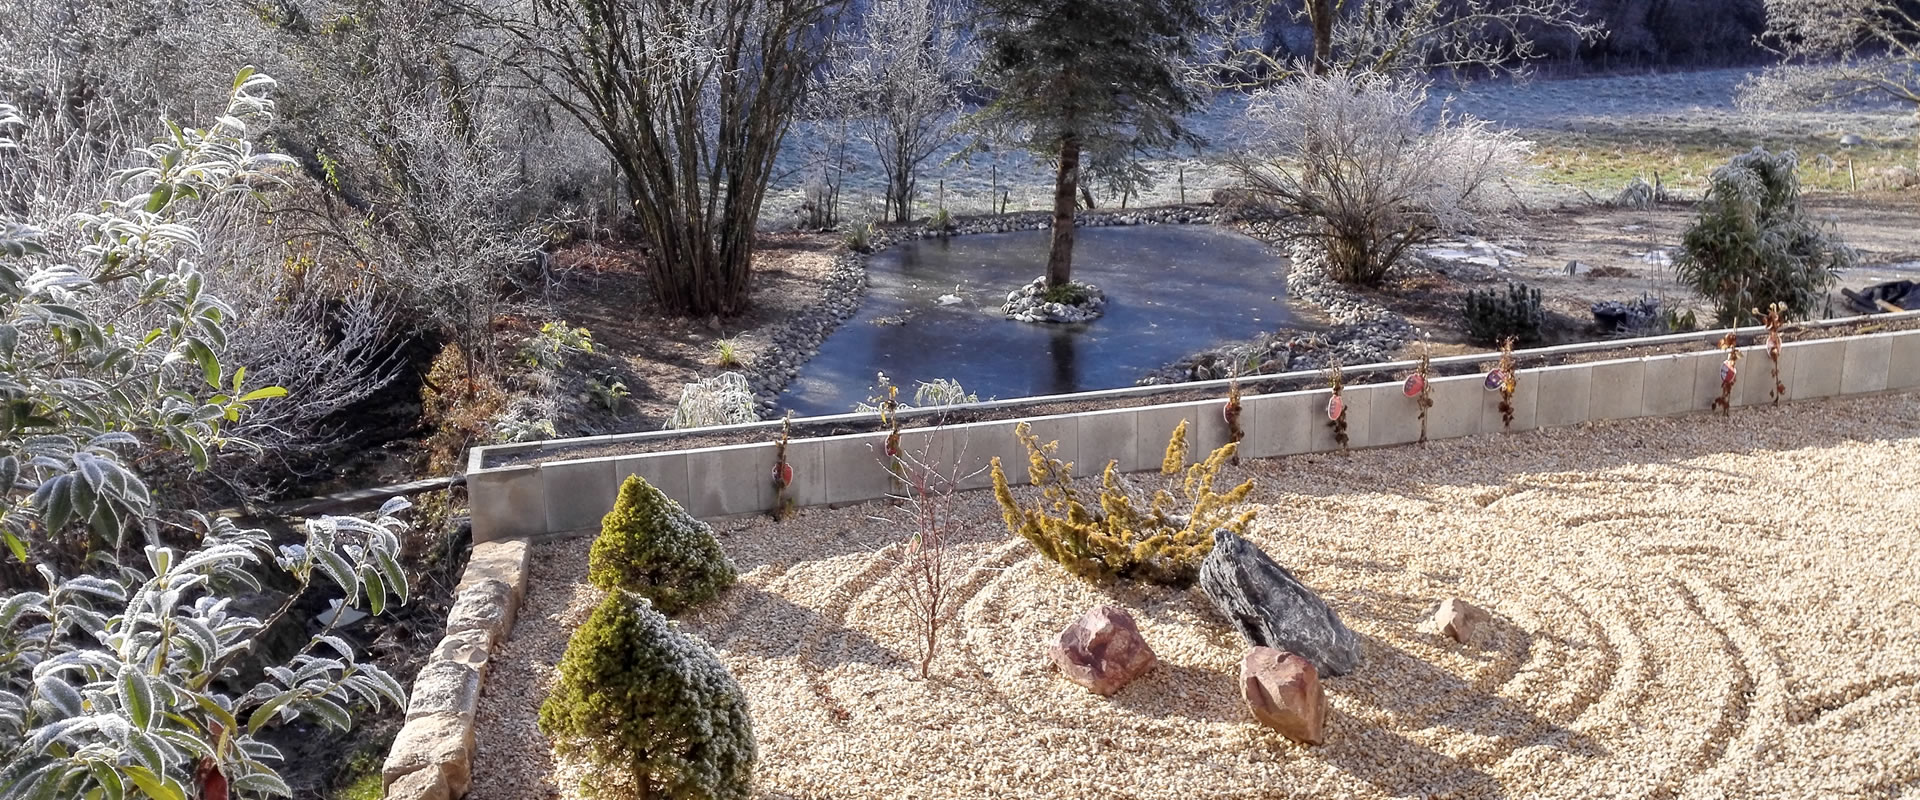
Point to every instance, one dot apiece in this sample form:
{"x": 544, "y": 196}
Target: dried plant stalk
{"x": 1729, "y": 374}
{"x": 1508, "y": 382}
{"x": 1424, "y": 400}
{"x": 1338, "y": 421}
{"x": 1232, "y": 414}
{"x": 782, "y": 471}
{"x": 1776, "y": 319}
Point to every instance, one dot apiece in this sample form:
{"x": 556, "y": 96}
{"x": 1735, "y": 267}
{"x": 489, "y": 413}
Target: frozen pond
{"x": 1171, "y": 290}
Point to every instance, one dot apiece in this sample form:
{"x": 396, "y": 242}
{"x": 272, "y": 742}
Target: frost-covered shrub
{"x": 120, "y": 662}
{"x": 926, "y": 394}
{"x": 1355, "y": 153}
{"x": 650, "y": 707}
{"x": 108, "y": 682}
{"x": 650, "y": 545}
{"x": 1753, "y": 245}
{"x": 723, "y": 399}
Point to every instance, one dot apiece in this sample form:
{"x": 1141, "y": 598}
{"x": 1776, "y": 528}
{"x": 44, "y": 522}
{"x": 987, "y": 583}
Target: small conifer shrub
{"x": 1493, "y": 316}
{"x": 650, "y": 707}
{"x": 651, "y": 546}
{"x": 1118, "y": 536}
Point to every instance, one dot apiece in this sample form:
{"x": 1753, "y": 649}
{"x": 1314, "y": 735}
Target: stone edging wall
{"x": 432, "y": 757}
{"x": 560, "y": 497}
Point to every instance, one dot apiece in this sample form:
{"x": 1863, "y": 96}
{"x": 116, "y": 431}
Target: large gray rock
{"x": 1274, "y": 609}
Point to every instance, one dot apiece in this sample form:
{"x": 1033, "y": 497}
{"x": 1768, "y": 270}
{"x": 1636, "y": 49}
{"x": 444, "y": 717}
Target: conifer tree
{"x": 1094, "y": 81}
{"x": 651, "y": 546}
{"x": 651, "y": 706}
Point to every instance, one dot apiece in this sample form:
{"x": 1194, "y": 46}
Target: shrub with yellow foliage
{"x": 1117, "y": 536}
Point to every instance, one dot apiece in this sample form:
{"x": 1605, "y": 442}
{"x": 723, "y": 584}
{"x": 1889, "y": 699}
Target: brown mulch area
{"x": 603, "y": 287}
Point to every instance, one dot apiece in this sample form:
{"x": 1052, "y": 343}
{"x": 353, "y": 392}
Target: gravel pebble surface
{"x": 1682, "y": 607}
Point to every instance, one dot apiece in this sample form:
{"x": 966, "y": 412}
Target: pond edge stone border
{"x": 432, "y": 756}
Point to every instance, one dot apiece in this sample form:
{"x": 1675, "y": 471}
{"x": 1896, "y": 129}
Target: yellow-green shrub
{"x": 1114, "y": 537}
{"x": 651, "y": 546}
{"x": 650, "y": 707}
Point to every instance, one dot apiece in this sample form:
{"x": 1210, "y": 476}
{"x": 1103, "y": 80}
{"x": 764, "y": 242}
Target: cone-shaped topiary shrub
{"x": 650, "y": 707}
{"x": 651, "y": 546}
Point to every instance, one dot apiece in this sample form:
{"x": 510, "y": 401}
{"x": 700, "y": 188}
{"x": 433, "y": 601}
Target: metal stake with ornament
{"x": 1729, "y": 373}
{"x": 1337, "y": 406}
{"x": 1505, "y": 378}
{"x": 1416, "y": 385}
{"x": 1231, "y": 413}
{"x": 782, "y": 471}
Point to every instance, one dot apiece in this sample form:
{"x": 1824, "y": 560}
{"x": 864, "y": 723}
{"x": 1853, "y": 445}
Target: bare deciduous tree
{"x": 1354, "y": 153}
{"x": 1398, "y": 36}
{"x": 929, "y": 569}
{"x": 899, "y": 76}
{"x": 692, "y": 99}
{"x": 1834, "y": 50}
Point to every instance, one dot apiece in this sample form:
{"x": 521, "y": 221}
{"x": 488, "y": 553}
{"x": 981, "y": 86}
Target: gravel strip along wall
{"x": 570, "y": 496}
{"x": 432, "y": 757}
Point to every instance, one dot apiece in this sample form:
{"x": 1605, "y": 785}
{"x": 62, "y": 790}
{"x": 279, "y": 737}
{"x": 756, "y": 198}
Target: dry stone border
{"x": 432, "y": 757}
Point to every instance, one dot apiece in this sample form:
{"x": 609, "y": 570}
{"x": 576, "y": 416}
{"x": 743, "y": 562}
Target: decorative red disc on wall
{"x": 1416, "y": 383}
{"x": 1336, "y": 405}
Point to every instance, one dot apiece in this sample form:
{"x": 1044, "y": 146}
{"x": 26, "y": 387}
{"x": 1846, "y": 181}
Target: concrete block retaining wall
{"x": 570, "y": 496}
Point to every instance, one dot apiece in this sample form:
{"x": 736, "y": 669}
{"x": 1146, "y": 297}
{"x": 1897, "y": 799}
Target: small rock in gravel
{"x": 1460, "y": 619}
{"x": 1283, "y": 691}
{"x": 1103, "y": 650}
{"x": 1274, "y": 609}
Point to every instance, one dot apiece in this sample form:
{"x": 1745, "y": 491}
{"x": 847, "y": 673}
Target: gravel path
{"x": 1691, "y": 607}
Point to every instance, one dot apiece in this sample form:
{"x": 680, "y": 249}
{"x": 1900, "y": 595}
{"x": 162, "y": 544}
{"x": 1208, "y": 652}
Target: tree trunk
{"x": 1320, "y": 17}
{"x": 1060, "y": 256}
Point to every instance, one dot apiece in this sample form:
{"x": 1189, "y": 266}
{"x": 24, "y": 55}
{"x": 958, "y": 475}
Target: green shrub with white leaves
{"x": 127, "y": 666}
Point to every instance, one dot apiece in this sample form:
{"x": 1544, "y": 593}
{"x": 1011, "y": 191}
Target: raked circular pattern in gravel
{"x": 1687, "y": 607}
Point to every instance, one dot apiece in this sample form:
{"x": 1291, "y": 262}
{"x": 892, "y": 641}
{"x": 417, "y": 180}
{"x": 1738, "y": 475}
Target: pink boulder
{"x": 1460, "y": 619}
{"x": 1103, "y": 651}
{"x": 1283, "y": 691}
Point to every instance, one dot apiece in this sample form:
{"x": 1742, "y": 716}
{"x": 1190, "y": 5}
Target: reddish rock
{"x": 1283, "y": 691}
{"x": 1460, "y": 619}
{"x": 1103, "y": 651}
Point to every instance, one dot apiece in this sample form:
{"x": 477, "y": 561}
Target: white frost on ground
{"x": 1655, "y": 102}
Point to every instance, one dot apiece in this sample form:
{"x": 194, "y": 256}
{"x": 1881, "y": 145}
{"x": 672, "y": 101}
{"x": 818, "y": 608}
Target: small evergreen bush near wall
{"x": 651, "y": 708}
{"x": 1753, "y": 245}
{"x": 1493, "y": 317}
{"x": 651, "y": 546}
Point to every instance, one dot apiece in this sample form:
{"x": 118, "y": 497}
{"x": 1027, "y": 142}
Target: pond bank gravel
{"x": 1681, "y": 607}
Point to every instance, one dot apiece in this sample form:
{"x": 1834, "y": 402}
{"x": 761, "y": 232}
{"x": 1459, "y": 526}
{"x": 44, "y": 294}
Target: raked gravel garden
{"x": 1681, "y": 607}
